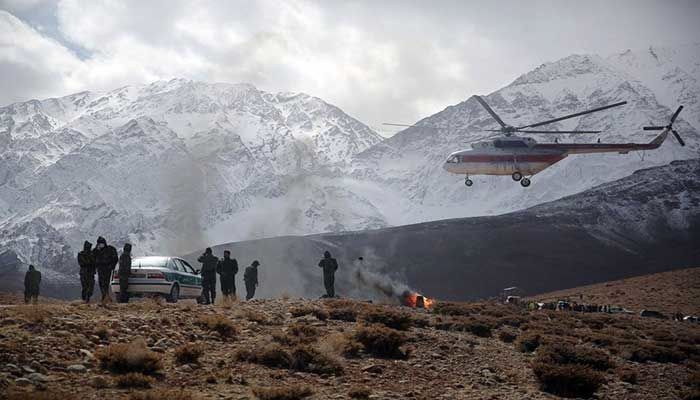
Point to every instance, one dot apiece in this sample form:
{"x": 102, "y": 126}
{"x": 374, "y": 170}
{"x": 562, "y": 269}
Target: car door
{"x": 191, "y": 281}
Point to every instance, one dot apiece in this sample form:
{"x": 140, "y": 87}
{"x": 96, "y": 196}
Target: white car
{"x": 170, "y": 277}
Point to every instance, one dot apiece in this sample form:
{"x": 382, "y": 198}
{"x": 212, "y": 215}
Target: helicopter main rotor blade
{"x": 490, "y": 111}
{"x": 412, "y": 126}
{"x": 654, "y": 128}
{"x": 554, "y": 132}
{"x": 573, "y": 115}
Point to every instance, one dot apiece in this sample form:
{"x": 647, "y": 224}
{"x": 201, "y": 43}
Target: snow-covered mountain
{"x": 175, "y": 165}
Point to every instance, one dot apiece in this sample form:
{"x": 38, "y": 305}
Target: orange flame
{"x": 413, "y": 300}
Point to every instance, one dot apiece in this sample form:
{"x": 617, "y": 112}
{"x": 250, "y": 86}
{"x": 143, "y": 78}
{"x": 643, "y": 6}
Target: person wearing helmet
{"x": 250, "y": 277}
{"x": 124, "y": 273}
{"x": 86, "y": 261}
{"x": 329, "y": 266}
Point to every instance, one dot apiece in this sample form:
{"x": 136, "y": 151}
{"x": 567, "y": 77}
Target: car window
{"x": 172, "y": 265}
{"x": 188, "y": 267}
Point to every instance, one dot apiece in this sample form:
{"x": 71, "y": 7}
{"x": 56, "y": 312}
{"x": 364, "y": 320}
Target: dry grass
{"x": 188, "y": 353}
{"x": 134, "y": 380}
{"x": 297, "y": 333}
{"x": 282, "y": 393}
{"x": 13, "y": 394}
{"x": 33, "y": 313}
{"x": 359, "y": 392}
{"x": 572, "y": 354}
{"x": 218, "y": 323}
{"x": 163, "y": 394}
{"x": 102, "y": 331}
{"x": 340, "y": 344}
{"x": 466, "y": 324}
{"x": 627, "y": 374}
{"x": 381, "y": 341}
{"x": 301, "y": 358}
{"x": 301, "y": 311}
{"x": 122, "y": 358}
{"x": 392, "y": 319}
{"x": 570, "y": 380}
{"x": 272, "y": 355}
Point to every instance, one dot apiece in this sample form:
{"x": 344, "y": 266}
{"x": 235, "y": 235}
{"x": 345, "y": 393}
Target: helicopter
{"x": 522, "y": 157}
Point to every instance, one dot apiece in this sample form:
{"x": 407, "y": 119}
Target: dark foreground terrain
{"x": 340, "y": 349}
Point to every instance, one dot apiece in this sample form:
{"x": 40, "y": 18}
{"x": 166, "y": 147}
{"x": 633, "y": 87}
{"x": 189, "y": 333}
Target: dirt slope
{"x": 668, "y": 292}
{"x": 456, "y": 351}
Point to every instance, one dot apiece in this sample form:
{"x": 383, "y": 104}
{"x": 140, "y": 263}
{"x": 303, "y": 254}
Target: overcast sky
{"x": 383, "y": 60}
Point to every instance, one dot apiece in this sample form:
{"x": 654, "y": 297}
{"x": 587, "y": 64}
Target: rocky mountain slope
{"x": 173, "y": 166}
{"x": 278, "y": 349}
{"x": 647, "y": 222}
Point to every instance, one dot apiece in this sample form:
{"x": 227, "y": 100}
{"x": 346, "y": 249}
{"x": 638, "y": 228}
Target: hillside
{"x": 647, "y": 222}
{"x": 669, "y": 292}
{"x": 268, "y": 349}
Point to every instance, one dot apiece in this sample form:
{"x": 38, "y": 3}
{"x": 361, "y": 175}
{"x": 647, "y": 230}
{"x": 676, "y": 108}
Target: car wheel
{"x": 174, "y": 294}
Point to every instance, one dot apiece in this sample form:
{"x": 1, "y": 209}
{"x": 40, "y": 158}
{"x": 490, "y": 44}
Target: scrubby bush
{"x": 529, "y": 341}
{"x": 571, "y": 354}
{"x": 134, "y": 380}
{"x": 122, "y": 358}
{"x": 381, "y": 341}
{"x": 569, "y": 380}
{"x": 320, "y": 314}
{"x": 308, "y": 359}
{"x": 645, "y": 352}
{"x": 163, "y": 394}
{"x": 507, "y": 336}
{"x": 36, "y": 395}
{"x": 218, "y": 323}
{"x": 282, "y": 393}
{"x": 359, "y": 392}
{"x": 188, "y": 353}
{"x": 389, "y": 318}
{"x": 271, "y": 355}
{"x": 627, "y": 375}
{"x": 340, "y": 344}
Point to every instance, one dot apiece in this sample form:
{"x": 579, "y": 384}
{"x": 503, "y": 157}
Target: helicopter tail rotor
{"x": 669, "y": 127}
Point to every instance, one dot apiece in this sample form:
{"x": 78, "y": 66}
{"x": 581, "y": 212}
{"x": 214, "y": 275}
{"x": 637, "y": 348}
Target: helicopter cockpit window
{"x": 453, "y": 159}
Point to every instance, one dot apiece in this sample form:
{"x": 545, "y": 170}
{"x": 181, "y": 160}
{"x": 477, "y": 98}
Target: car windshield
{"x": 146, "y": 262}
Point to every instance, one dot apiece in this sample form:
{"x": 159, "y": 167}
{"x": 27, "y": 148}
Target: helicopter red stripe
{"x": 520, "y": 158}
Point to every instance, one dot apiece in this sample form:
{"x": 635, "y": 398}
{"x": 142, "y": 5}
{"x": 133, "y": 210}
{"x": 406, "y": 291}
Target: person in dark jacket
{"x": 250, "y": 277}
{"x": 32, "y": 280}
{"x": 209, "y": 264}
{"x": 106, "y": 260}
{"x": 227, "y": 269}
{"x": 86, "y": 261}
{"x": 329, "y": 265}
{"x": 124, "y": 273}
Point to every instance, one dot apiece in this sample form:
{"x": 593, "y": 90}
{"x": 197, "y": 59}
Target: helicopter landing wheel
{"x": 468, "y": 182}
{"x": 525, "y": 182}
{"x": 517, "y": 176}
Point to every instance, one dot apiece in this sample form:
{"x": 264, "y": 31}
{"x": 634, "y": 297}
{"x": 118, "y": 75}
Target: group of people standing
{"x": 103, "y": 259}
{"x": 227, "y": 268}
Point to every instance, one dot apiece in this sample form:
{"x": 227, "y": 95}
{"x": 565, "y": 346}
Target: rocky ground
{"x": 338, "y": 349}
{"x": 667, "y": 292}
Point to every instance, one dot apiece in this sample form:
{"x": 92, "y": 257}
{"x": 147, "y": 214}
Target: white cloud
{"x": 379, "y": 61}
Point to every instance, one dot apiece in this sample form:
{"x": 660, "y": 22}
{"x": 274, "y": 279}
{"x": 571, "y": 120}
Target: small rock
{"x": 22, "y": 382}
{"x": 373, "y": 369}
{"x": 37, "y": 366}
{"x": 87, "y": 354}
{"x": 76, "y": 368}
{"x": 186, "y": 368}
{"x": 28, "y": 370}
{"x": 37, "y": 377}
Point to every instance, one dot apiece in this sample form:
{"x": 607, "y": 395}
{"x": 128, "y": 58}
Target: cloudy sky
{"x": 380, "y": 61}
